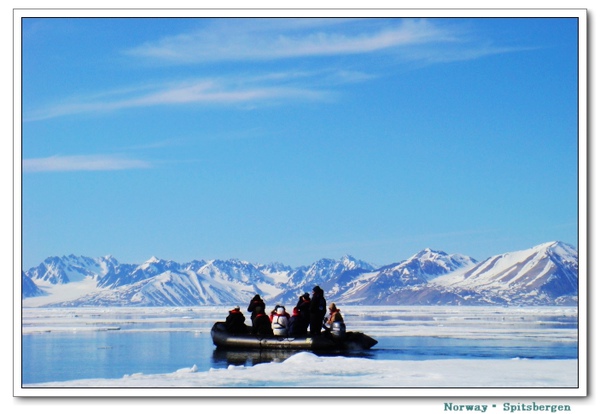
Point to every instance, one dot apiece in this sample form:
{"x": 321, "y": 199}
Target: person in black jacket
{"x": 261, "y": 324}
{"x": 318, "y": 310}
{"x": 254, "y": 303}
{"x": 235, "y": 321}
{"x": 303, "y": 307}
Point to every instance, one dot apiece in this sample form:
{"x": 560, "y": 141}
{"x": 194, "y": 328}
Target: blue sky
{"x": 292, "y": 140}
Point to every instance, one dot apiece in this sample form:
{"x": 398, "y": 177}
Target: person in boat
{"x": 296, "y": 325}
{"x": 261, "y": 325}
{"x": 235, "y": 322}
{"x": 254, "y": 303}
{"x": 274, "y": 312}
{"x": 279, "y": 323}
{"x": 303, "y": 307}
{"x": 318, "y": 310}
{"x": 335, "y": 322}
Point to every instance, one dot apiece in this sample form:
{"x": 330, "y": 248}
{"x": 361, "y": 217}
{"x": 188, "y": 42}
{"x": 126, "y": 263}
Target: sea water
{"x": 60, "y": 344}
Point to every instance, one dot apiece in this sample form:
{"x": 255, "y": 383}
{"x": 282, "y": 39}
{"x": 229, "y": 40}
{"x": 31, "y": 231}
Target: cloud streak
{"x": 261, "y": 40}
{"x": 207, "y": 92}
{"x": 82, "y": 163}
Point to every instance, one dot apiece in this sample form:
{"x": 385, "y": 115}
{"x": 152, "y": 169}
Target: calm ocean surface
{"x": 67, "y": 344}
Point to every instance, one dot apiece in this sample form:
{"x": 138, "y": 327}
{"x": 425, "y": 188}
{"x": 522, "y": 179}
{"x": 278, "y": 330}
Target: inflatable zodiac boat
{"x": 324, "y": 342}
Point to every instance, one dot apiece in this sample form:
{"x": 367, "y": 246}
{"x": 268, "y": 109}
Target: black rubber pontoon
{"x": 352, "y": 341}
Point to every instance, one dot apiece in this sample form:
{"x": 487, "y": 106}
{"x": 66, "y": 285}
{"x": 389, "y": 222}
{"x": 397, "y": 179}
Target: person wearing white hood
{"x": 280, "y": 322}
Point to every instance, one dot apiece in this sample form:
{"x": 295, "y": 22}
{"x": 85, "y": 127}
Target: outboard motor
{"x": 338, "y": 330}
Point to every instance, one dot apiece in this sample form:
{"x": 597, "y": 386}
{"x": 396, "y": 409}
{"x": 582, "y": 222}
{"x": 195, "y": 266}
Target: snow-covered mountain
{"x": 56, "y": 270}
{"x": 546, "y": 274}
{"x": 378, "y": 286}
{"x": 29, "y": 288}
{"x": 543, "y": 274}
{"x": 331, "y": 275}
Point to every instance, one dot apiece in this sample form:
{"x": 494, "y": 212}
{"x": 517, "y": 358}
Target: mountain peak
{"x": 545, "y": 274}
{"x": 556, "y": 245}
{"x": 428, "y": 251}
{"x": 352, "y": 263}
{"x": 429, "y": 254}
{"x": 348, "y": 260}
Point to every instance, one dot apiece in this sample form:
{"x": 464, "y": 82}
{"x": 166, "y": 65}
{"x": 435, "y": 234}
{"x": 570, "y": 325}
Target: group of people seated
{"x": 308, "y": 317}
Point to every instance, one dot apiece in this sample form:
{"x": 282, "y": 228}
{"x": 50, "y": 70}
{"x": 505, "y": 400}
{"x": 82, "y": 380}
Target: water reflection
{"x": 64, "y": 344}
{"x": 222, "y": 358}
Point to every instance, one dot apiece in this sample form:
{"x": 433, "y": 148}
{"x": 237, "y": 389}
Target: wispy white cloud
{"x": 259, "y": 39}
{"x": 255, "y": 40}
{"x": 82, "y": 163}
{"x": 210, "y": 92}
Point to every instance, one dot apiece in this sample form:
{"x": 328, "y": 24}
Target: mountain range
{"x": 546, "y": 274}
